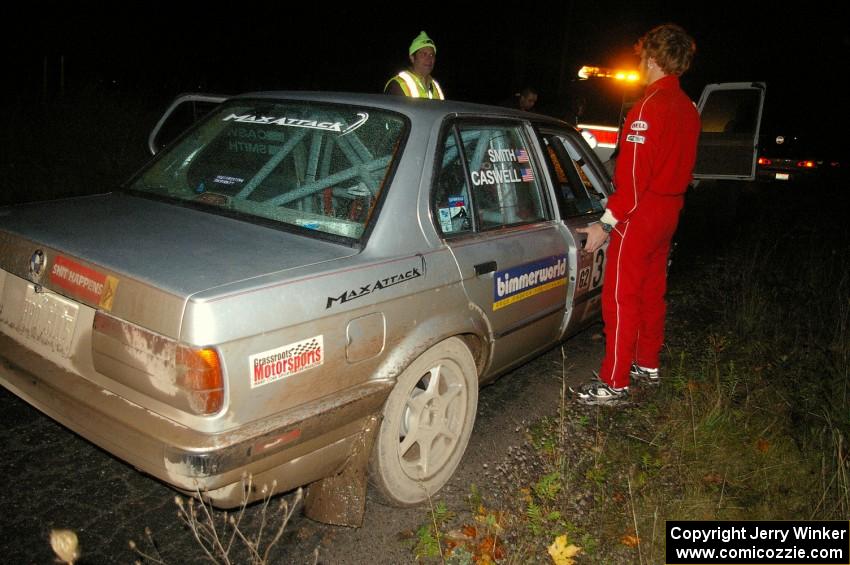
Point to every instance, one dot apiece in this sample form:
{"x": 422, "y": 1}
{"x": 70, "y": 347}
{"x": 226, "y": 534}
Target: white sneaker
{"x": 644, "y": 374}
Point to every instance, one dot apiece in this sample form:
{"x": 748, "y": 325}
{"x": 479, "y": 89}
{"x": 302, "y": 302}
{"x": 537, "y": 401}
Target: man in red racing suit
{"x": 653, "y": 170}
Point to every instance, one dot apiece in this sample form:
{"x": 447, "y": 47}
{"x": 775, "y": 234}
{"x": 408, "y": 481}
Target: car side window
{"x": 451, "y": 200}
{"x": 577, "y": 194}
{"x": 504, "y": 186}
{"x": 486, "y": 179}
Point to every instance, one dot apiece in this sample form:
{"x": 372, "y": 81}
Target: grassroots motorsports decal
{"x": 354, "y": 294}
{"x": 518, "y": 283}
{"x": 275, "y": 364}
{"x": 81, "y": 282}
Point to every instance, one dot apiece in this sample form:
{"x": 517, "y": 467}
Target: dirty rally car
{"x": 303, "y": 287}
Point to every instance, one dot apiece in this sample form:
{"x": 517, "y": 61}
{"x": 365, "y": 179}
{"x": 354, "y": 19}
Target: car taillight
{"x": 199, "y": 374}
{"x": 806, "y": 164}
{"x": 120, "y": 349}
{"x": 764, "y": 161}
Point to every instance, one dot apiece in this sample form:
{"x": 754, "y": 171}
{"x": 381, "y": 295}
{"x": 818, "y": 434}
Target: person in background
{"x": 576, "y": 113}
{"x": 653, "y": 169}
{"x": 524, "y": 100}
{"x": 417, "y": 81}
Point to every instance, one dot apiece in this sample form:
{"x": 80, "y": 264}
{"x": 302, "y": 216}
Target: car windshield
{"x": 319, "y": 167}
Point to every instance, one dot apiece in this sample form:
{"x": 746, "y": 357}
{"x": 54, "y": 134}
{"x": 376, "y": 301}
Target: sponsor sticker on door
{"x": 516, "y": 284}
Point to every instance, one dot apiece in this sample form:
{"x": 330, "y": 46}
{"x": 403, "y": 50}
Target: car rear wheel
{"x": 428, "y": 418}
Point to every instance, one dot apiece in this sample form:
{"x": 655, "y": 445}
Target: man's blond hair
{"x": 670, "y": 46}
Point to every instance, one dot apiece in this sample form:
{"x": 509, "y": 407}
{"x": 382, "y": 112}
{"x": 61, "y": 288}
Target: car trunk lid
{"x": 141, "y": 260}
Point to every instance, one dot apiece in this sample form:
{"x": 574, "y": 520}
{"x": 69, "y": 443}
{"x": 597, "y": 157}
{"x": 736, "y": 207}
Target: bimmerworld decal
{"x": 518, "y": 283}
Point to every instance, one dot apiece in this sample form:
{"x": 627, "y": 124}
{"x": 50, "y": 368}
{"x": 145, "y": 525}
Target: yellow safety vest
{"x": 412, "y": 86}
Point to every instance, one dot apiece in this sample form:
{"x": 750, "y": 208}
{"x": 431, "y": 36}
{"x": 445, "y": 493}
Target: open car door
{"x": 184, "y": 111}
{"x": 731, "y": 120}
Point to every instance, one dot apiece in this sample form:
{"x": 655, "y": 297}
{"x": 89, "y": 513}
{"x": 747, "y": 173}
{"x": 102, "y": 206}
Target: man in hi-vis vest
{"x": 417, "y": 81}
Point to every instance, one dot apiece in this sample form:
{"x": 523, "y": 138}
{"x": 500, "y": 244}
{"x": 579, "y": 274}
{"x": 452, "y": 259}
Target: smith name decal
{"x": 513, "y": 285}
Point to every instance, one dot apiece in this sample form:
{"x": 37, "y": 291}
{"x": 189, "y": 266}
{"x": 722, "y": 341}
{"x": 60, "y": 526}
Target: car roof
{"x": 415, "y": 108}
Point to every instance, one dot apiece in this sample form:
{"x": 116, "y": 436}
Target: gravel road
{"x": 51, "y": 478}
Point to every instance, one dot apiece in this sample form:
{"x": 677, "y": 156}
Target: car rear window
{"x": 318, "y": 167}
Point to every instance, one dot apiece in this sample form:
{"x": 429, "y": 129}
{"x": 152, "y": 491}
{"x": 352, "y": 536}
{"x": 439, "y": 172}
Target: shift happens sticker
{"x": 512, "y": 285}
{"x": 270, "y": 366}
{"x": 81, "y": 282}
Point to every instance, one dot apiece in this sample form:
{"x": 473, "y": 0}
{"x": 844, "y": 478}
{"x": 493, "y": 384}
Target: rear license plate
{"x": 782, "y": 176}
{"x": 47, "y": 318}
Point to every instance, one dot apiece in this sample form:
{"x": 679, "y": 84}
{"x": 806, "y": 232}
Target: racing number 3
{"x": 598, "y": 268}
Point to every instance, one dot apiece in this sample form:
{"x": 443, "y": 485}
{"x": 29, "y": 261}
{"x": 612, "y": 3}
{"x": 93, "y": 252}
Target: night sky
{"x": 486, "y": 51}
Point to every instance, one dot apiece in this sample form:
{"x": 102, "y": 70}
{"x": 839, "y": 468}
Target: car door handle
{"x": 484, "y": 268}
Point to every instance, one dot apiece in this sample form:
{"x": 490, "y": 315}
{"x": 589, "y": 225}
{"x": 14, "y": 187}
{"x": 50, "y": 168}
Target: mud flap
{"x": 341, "y": 499}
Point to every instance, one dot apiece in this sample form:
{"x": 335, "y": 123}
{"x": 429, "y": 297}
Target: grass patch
{"x": 751, "y": 421}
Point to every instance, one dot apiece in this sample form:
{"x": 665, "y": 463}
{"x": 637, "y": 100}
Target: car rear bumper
{"x": 786, "y": 175}
{"x": 293, "y": 448}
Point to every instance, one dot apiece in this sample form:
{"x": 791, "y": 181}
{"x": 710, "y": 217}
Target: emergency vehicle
{"x": 730, "y": 113}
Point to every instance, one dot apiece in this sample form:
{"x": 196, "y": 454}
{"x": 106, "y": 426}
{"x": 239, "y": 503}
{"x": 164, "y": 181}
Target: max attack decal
{"x": 513, "y": 285}
{"x": 81, "y": 282}
{"x": 270, "y": 366}
{"x": 381, "y": 284}
{"x": 294, "y": 122}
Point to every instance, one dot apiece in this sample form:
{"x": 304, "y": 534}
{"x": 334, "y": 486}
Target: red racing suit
{"x": 656, "y": 159}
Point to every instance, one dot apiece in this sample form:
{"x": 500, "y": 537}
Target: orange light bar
{"x": 806, "y": 164}
{"x": 587, "y": 72}
{"x": 764, "y": 161}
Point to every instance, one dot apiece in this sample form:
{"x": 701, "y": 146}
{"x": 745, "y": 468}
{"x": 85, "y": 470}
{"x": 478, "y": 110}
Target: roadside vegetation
{"x": 752, "y": 420}
{"x": 226, "y": 538}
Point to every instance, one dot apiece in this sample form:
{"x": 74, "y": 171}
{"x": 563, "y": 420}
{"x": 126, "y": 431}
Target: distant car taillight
{"x": 121, "y": 349}
{"x": 806, "y": 164}
{"x": 764, "y": 161}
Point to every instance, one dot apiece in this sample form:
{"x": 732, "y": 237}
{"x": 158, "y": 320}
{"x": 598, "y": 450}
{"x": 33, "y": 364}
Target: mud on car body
{"x": 301, "y": 286}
